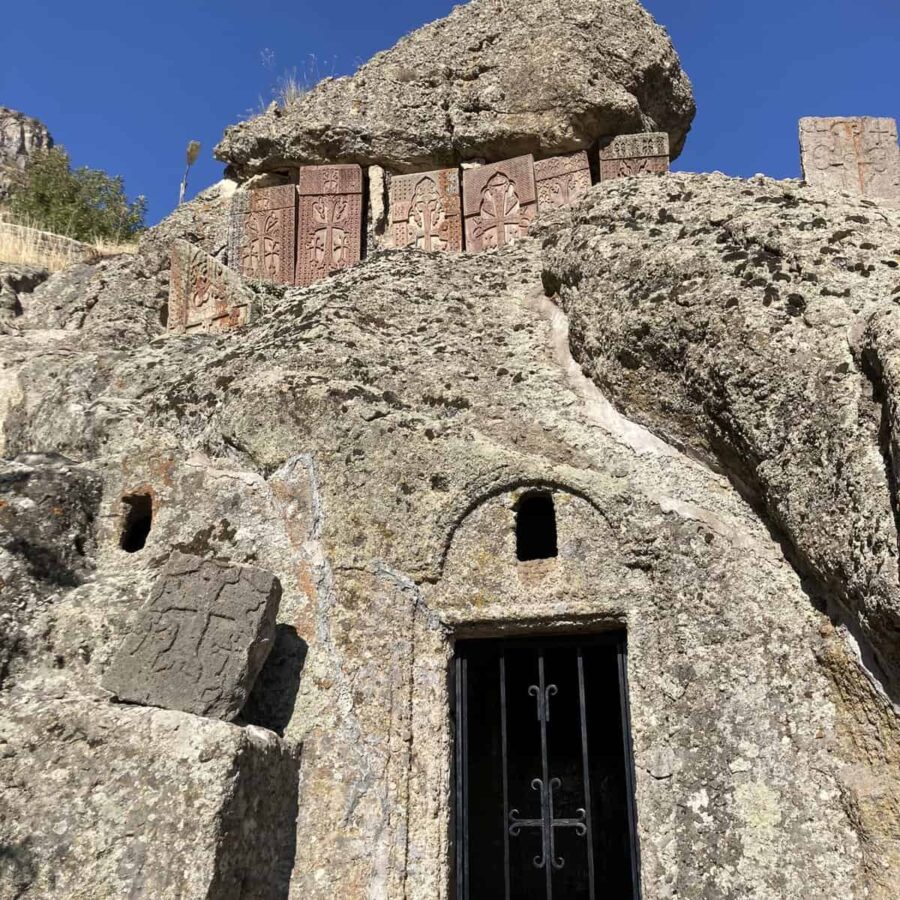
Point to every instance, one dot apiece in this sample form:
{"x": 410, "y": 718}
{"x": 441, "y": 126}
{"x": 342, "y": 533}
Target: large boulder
{"x": 755, "y": 323}
{"x": 493, "y": 80}
{"x": 100, "y": 801}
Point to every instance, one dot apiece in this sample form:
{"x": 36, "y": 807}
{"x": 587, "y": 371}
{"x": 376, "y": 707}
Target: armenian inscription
{"x": 330, "y": 226}
{"x": 204, "y": 295}
{"x": 263, "y": 233}
{"x": 200, "y": 641}
{"x": 562, "y": 180}
{"x": 635, "y": 154}
{"x": 857, "y": 155}
{"x": 426, "y": 211}
{"x": 499, "y": 202}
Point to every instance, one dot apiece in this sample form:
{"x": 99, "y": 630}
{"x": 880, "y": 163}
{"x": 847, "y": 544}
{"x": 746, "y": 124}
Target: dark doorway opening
{"x": 543, "y": 770}
{"x": 536, "y": 528}
{"x": 138, "y": 522}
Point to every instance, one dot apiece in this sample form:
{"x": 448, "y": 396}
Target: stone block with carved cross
{"x": 204, "y": 295}
{"x": 263, "y": 233}
{"x": 856, "y": 155}
{"x": 562, "y": 180}
{"x": 329, "y": 234}
{"x": 635, "y": 154}
{"x": 499, "y": 202}
{"x": 426, "y": 212}
{"x": 200, "y": 641}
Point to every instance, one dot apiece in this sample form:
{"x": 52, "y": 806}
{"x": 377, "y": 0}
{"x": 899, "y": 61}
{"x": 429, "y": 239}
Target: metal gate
{"x": 543, "y": 771}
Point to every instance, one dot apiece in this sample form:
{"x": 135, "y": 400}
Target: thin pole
{"x": 622, "y": 653}
{"x": 585, "y": 761}
{"x": 545, "y": 771}
{"x": 504, "y": 745}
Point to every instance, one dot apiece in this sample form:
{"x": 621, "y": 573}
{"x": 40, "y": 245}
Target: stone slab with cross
{"x": 201, "y": 639}
{"x": 499, "y": 202}
{"x": 562, "y": 180}
{"x": 204, "y": 295}
{"x": 635, "y": 154}
{"x": 857, "y": 155}
{"x": 426, "y": 210}
{"x": 263, "y": 233}
{"x": 329, "y": 233}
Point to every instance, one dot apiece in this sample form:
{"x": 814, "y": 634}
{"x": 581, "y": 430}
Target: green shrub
{"x": 85, "y": 204}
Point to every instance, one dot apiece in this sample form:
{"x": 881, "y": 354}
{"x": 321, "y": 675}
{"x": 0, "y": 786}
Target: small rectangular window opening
{"x": 536, "y": 536}
{"x": 138, "y": 522}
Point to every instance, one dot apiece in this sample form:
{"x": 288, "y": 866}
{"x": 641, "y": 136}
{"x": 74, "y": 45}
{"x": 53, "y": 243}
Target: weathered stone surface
{"x": 426, "y": 210}
{"x": 330, "y": 221}
{"x": 858, "y": 155}
{"x": 749, "y": 334}
{"x": 634, "y": 154}
{"x": 20, "y": 137}
{"x": 204, "y": 295}
{"x": 562, "y": 180}
{"x": 367, "y": 441}
{"x": 16, "y": 280}
{"x": 499, "y": 203}
{"x": 103, "y": 801}
{"x": 263, "y": 233}
{"x": 201, "y": 639}
{"x": 48, "y": 509}
{"x": 492, "y": 80}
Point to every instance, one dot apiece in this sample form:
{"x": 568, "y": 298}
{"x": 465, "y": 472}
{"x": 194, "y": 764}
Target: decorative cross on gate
{"x": 548, "y": 824}
{"x": 546, "y": 787}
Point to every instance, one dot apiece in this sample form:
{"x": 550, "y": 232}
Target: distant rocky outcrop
{"x": 20, "y": 136}
{"x": 493, "y": 80}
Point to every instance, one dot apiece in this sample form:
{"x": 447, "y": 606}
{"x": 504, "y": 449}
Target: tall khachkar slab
{"x": 200, "y": 641}
{"x": 426, "y": 210}
{"x": 263, "y": 234}
{"x": 635, "y": 154}
{"x": 562, "y": 180}
{"x": 330, "y": 225}
{"x": 204, "y": 295}
{"x": 499, "y": 202}
{"x": 857, "y": 155}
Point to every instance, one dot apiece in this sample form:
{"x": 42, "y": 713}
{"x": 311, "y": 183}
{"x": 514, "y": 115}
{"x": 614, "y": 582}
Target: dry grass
{"x": 23, "y": 245}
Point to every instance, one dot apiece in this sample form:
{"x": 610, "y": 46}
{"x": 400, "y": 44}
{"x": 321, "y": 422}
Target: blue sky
{"x": 124, "y": 86}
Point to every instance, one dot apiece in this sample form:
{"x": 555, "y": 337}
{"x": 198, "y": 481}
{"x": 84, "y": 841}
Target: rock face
{"x": 493, "y": 80}
{"x": 48, "y": 508}
{"x": 20, "y": 136}
{"x": 368, "y": 441}
{"x": 140, "y": 803}
{"x": 755, "y": 324}
{"x": 200, "y": 641}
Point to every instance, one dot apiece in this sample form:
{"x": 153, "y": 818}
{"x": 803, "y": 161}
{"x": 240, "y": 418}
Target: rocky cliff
{"x": 700, "y": 370}
{"x": 20, "y": 136}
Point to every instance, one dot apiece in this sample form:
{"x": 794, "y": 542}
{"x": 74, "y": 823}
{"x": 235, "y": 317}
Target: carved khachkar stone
{"x": 426, "y": 212}
{"x": 857, "y": 155}
{"x": 204, "y": 295}
{"x": 499, "y": 202}
{"x": 200, "y": 641}
{"x": 561, "y": 180}
{"x": 330, "y": 226}
{"x": 263, "y": 233}
{"x": 635, "y": 154}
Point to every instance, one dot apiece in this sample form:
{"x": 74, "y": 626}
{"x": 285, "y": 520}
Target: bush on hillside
{"x": 85, "y": 204}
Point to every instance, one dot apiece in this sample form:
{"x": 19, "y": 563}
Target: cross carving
{"x": 328, "y": 242}
{"x": 501, "y": 211}
{"x": 426, "y": 217}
